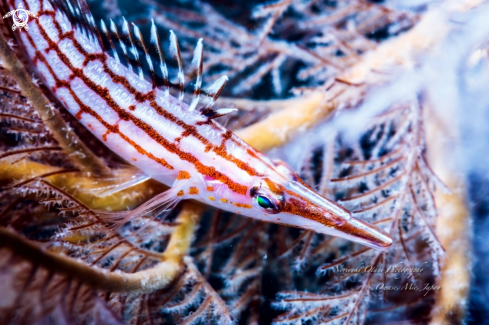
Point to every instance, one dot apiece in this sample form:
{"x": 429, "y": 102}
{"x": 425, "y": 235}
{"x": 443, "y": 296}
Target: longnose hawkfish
{"x": 97, "y": 74}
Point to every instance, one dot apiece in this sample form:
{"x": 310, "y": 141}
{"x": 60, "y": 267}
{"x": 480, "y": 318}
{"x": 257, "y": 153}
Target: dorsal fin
{"x": 140, "y": 42}
{"x": 213, "y": 92}
{"x": 112, "y": 49}
{"x": 67, "y": 7}
{"x": 115, "y": 34}
{"x": 127, "y": 38}
{"x": 156, "y": 45}
{"x": 92, "y": 30}
{"x": 175, "y": 52}
{"x": 212, "y": 114}
{"x": 198, "y": 62}
{"x": 132, "y": 45}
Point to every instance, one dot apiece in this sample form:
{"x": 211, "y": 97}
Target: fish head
{"x": 284, "y": 198}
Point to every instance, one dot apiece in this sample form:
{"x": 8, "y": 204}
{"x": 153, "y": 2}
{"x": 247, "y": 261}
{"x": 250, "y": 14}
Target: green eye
{"x": 265, "y": 203}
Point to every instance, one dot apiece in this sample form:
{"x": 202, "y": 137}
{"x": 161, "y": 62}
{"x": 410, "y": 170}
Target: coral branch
{"x": 29, "y": 150}
{"x": 453, "y": 223}
{"x": 79, "y": 185}
{"x": 350, "y": 86}
{"x": 281, "y": 126}
{"x": 144, "y": 281}
{"x": 181, "y": 239}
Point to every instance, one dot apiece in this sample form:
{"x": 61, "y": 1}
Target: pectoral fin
{"x": 120, "y": 180}
{"x": 159, "y": 206}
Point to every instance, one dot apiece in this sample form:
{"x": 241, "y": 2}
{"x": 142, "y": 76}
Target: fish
{"x": 96, "y": 73}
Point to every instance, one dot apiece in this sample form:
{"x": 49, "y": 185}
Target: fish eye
{"x": 267, "y": 200}
{"x": 264, "y": 202}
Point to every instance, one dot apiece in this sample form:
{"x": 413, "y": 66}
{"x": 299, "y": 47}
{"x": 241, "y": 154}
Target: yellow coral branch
{"x": 281, "y": 126}
{"x": 453, "y": 231}
{"x": 80, "y": 185}
{"x": 182, "y": 237}
{"x": 144, "y": 281}
{"x": 453, "y": 223}
{"x": 350, "y": 86}
{"x": 270, "y": 105}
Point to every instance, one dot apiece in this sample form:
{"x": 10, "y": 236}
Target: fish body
{"x": 167, "y": 139}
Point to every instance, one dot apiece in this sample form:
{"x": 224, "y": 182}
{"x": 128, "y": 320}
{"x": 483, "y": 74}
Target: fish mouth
{"x": 365, "y": 234}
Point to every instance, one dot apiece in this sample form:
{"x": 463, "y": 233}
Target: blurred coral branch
{"x": 453, "y": 224}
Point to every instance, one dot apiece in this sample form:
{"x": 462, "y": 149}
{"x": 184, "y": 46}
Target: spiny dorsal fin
{"x": 175, "y": 52}
{"x": 211, "y": 114}
{"x": 140, "y": 42}
{"x": 69, "y": 10}
{"x": 80, "y": 17}
{"x": 213, "y": 92}
{"x": 132, "y": 42}
{"x": 115, "y": 33}
{"x": 198, "y": 62}
{"x": 127, "y": 37}
{"x": 83, "y": 21}
{"x": 112, "y": 49}
{"x": 90, "y": 23}
{"x": 156, "y": 44}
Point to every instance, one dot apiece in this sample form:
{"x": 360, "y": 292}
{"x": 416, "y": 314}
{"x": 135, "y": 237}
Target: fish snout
{"x": 365, "y": 234}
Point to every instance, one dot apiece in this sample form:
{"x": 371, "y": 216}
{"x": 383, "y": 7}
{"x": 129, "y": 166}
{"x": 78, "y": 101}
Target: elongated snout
{"x": 325, "y": 216}
{"x": 365, "y": 234}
